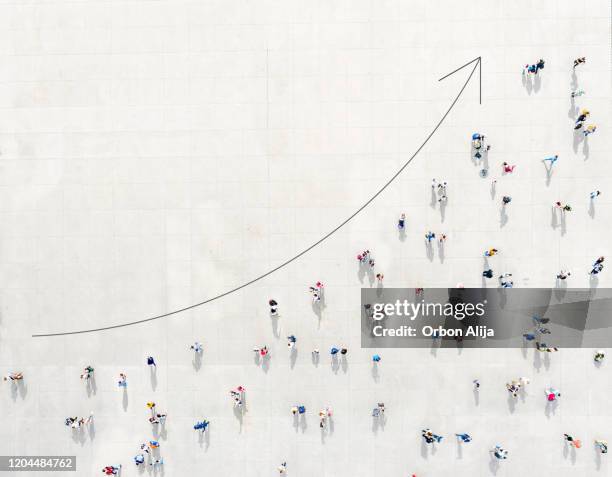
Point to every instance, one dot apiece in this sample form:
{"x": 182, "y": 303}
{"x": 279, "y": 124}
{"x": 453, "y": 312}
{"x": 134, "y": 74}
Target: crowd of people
{"x": 149, "y": 452}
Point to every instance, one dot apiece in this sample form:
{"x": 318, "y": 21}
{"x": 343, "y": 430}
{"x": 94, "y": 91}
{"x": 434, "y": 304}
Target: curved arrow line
{"x": 287, "y": 262}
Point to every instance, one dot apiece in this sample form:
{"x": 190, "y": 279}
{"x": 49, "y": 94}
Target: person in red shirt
{"x": 111, "y": 470}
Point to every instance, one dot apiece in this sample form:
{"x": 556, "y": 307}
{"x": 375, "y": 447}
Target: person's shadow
{"x": 592, "y": 208}
{"x": 163, "y": 431}
{"x": 503, "y": 216}
{"x": 494, "y": 464}
{"x": 597, "y": 459}
{"x": 293, "y": 357}
{"x": 378, "y": 423}
{"x": 441, "y": 251}
{"x": 319, "y": 305}
{"x": 153, "y": 374}
{"x": 239, "y": 414}
{"x": 375, "y": 374}
{"x": 124, "y": 401}
{"x": 436, "y": 343}
{"x": 553, "y": 218}
{"x": 402, "y": 234}
{"x": 578, "y": 138}
{"x": 459, "y": 449}
{"x": 551, "y": 408}
{"x": 91, "y": 430}
{"x": 263, "y": 361}
{"x": 18, "y": 388}
{"x": 537, "y": 360}
{"x": 527, "y": 83}
{"x": 91, "y": 387}
{"x": 585, "y": 148}
{"x": 573, "y": 110}
{"x": 361, "y": 271}
{"x": 274, "y": 322}
{"x": 443, "y": 204}
{"x": 371, "y": 275}
{"x": 511, "y": 403}
{"x": 335, "y": 363}
{"x": 549, "y": 171}
{"x": 197, "y": 360}
{"x": 424, "y": 449}
{"x": 78, "y": 435}
{"x": 563, "y": 222}
{"x": 204, "y": 438}
{"x": 537, "y": 83}
{"x": 429, "y": 250}
{"x": 434, "y": 198}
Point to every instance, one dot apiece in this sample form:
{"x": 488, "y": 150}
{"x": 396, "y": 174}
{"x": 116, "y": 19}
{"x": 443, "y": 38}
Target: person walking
{"x": 430, "y": 437}
{"x": 111, "y": 469}
{"x": 601, "y": 445}
{"x": 597, "y": 266}
{"x": 197, "y": 347}
{"x": 563, "y": 275}
{"x": 505, "y": 281}
{"x": 201, "y": 425}
{"x": 551, "y": 159}
{"x": 401, "y": 223}
{"x": 584, "y": 114}
{"x": 576, "y": 443}
{"x": 17, "y": 376}
{"x": 499, "y": 452}
{"x": 87, "y": 373}
{"x": 552, "y": 394}
{"x": 579, "y": 61}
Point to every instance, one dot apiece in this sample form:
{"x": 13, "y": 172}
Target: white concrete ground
{"x": 156, "y": 153}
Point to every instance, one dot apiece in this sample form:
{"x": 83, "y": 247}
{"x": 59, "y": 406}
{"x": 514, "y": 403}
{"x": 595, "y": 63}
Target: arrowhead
{"x": 478, "y": 61}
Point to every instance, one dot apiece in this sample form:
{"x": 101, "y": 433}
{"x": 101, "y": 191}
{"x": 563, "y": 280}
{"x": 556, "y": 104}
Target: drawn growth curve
{"x": 477, "y": 64}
